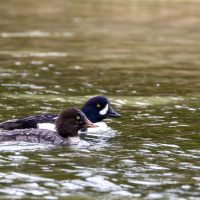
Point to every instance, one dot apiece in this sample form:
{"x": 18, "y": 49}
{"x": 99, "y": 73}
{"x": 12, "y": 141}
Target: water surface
{"x": 144, "y": 56}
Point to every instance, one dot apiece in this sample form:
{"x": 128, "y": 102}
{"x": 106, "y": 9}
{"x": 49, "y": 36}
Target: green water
{"x": 144, "y": 56}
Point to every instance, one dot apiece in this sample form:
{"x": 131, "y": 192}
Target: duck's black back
{"x": 27, "y": 122}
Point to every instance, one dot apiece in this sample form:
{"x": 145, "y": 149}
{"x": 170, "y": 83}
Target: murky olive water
{"x": 144, "y": 56}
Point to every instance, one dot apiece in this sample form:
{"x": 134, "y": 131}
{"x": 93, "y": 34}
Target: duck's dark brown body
{"x": 33, "y": 136}
{"x": 68, "y": 123}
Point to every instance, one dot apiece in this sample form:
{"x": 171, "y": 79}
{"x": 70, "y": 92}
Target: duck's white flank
{"x": 47, "y": 126}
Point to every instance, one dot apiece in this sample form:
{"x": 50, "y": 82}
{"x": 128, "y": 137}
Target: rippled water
{"x": 144, "y": 56}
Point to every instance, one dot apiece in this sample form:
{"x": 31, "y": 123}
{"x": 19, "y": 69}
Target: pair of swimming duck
{"x": 64, "y": 126}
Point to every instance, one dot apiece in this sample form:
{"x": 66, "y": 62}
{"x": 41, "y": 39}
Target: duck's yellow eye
{"x": 98, "y": 105}
{"x": 78, "y": 117}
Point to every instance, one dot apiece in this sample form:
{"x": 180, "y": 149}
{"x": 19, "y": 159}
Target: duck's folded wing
{"x": 27, "y": 122}
{"x": 33, "y": 136}
{"x": 25, "y": 135}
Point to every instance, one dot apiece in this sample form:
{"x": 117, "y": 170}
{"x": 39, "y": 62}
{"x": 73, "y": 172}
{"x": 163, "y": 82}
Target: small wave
{"x": 31, "y": 86}
{"x": 25, "y": 54}
{"x": 35, "y": 33}
{"x": 22, "y": 146}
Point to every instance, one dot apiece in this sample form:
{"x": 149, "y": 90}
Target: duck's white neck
{"x": 73, "y": 140}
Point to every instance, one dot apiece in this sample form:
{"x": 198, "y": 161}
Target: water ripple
{"x": 31, "y": 86}
{"x": 33, "y": 34}
{"x": 25, "y": 54}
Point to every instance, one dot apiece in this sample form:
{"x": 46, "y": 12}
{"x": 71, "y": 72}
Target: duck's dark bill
{"x": 89, "y": 124}
{"x": 112, "y": 113}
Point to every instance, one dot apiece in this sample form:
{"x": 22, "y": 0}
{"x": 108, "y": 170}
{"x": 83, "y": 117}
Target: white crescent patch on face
{"x": 104, "y": 110}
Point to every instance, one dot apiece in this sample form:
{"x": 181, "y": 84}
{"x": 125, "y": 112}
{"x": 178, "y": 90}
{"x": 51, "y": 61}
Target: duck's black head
{"x": 70, "y": 121}
{"x": 98, "y": 108}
